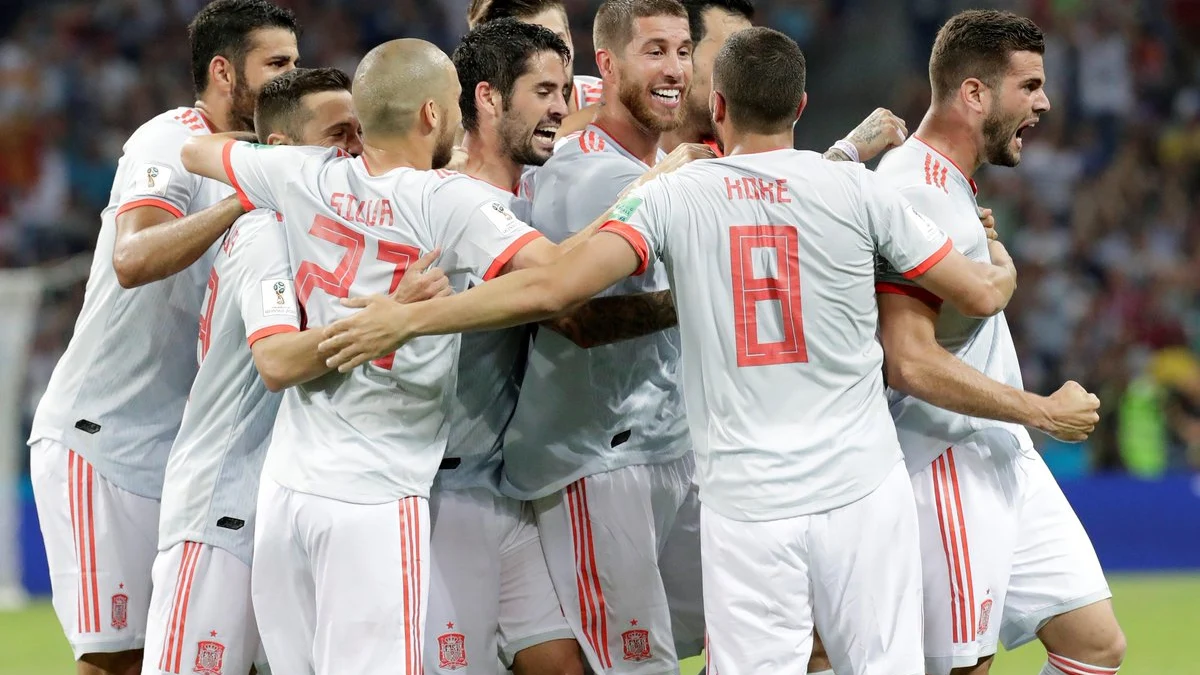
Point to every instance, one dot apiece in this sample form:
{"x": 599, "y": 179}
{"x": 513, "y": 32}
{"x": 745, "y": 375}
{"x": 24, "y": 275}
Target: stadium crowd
{"x": 1103, "y": 215}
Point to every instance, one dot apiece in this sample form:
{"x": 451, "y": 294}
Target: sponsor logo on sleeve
{"x": 278, "y": 298}
{"x": 152, "y": 179}
{"x": 625, "y": 208}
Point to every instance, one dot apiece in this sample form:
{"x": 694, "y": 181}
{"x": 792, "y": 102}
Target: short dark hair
{"x": 498, "y": 52}
{"x": 279, "y": 107}
{"x": 223, "y": 28}
{"x": 979, "y": 43}
{"x": 697, "y": 8}
{"x": 760, "y": 73}
{"x": 482, "y": 11}
{"x": 613, "y": 26}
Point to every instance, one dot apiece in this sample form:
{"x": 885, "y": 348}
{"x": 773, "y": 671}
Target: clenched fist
{"x": 880, "y": 131}
{"x": 1071, "y": 413}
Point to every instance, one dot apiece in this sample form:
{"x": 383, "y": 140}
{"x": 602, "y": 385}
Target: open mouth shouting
{"x": 1028, "y": 124}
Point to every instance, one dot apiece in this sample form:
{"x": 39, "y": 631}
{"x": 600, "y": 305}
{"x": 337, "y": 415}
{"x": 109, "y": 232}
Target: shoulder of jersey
{"x": 188, "y": 118}
{"x": 911, "y": 165}
{"x": 248, "y": 227}
{"x": 586, "y": 142}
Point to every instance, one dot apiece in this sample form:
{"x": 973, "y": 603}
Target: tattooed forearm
{"x": 602, "y": 321}
{"x": 835, "y": 155}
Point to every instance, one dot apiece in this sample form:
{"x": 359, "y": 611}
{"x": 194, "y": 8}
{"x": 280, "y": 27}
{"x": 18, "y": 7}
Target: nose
{"x": 675, "y": 67}
{"x": 558, "y": 106}
{"x": 354, "y": 146}
{"x": 1042, "y": 103}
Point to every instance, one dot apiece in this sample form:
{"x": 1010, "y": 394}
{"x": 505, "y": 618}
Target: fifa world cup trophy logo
{"x": 279, "y": 288}
{"x": 151, "y": 174}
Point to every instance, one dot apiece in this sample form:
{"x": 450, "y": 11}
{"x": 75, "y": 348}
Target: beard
{"x": 443, "y": 151}
{"x": 998, "y": 134}
{"x": 516, "y": 141}
{"x": 633, "y": 96}
{"x": 697, "y": 120}
{"x": 241, "y": 109}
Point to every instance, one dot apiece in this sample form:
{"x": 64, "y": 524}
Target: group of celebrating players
{"x": 345, "y": 485}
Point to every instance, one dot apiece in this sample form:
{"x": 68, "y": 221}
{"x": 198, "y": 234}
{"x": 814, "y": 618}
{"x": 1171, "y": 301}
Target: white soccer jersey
{"x": 584, "y": 411}
{"x": 771, "y": 258}
{"x": 940, "y": 191}
{"x": 587, "y": 91}
{"x": 490, "y": 367}
{"x": 211, "y": 487}
{"x": 378, "y": 433}
{"x": 117, "y": 394}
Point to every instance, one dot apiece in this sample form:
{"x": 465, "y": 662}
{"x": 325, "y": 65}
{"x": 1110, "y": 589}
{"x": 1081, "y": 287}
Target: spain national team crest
{"x": 636, "y": 643}
{"x": 120, "y": 611}
{"x": 985, "y": 612}
{"x": 452, "y": 651}
{"x": 209, "y": 654}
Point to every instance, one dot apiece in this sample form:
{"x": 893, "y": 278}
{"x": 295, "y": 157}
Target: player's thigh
{"x": 370, "y": 566}
{"x": 100, "y": 546}
{"x": 967, "y": 512}
{"x": 201, "y": 618}
{"x": 757, "y": 595}
{"x": 1055, "y": 569}
{"x": 281, "y": 583}
{"x": 600, "y": 545}
{"x": 531, "y": 617}
{"x": 682, "y": 574}
{"x": 865, "y": 566}
{"x": 464, "y": 583}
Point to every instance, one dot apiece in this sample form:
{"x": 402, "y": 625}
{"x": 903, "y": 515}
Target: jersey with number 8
{"x": 378, "y": 433}
{"x": 771, "y": 258}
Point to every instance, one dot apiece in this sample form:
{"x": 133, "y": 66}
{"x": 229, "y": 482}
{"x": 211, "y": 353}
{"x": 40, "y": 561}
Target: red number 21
{"x": 337, "y": 283}
{"x": 782, "y": 288}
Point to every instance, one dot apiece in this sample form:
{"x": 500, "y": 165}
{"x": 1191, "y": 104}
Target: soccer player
{"x": 552, "y": 15}
{"x": 490, "y": 592}
{"x": 343, "y": 522}
{"x": 250, "y": 342}
{"x": 1004, "y": 556}
{"x": 105, "y": 425}
{"x": 808, "y": 513}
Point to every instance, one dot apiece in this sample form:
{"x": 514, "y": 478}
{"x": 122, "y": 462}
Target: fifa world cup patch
{"x": 278, "y": 298}
{"x": 500, "y": 216}
{"x": 626, "y": 208}
{"x": 452, "y": 650}
{"x": 152, "y": 179}
{"x": 209, "y": 655}
{"x": 635, "y": 643}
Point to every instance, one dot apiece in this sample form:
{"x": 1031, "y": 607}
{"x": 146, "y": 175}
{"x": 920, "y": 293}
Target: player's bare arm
{"x": 917, "y": 365}
{"x": 523, "y": 296}
{"x": 880, "y": 131}
{"x": 975, "y": 289}
{"x": 603, "y": 321}
{"x": 577, "y": 120}
{"x": 153, "y": 244}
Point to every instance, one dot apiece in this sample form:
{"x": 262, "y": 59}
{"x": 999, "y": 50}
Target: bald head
{"x": 395, "y": 80}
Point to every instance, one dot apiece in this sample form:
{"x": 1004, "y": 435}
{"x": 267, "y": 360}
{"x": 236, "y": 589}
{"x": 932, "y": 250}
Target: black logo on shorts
{"x": 86, "y": 426}
{"x": 231, "y": 523}
{"x": 621, "y": 437}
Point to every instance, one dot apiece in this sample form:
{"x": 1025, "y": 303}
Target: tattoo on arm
{"x": 602, "y": 321}
{"x": 835, "y": 155}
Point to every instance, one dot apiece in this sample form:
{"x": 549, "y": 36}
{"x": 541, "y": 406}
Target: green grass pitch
{"x": 1160, "y": 615}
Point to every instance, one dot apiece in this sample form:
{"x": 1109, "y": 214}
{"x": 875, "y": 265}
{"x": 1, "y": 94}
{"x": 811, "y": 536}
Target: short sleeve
{"x": 641, "y": 219}
{"x": 260, "y": 173}
{"x": 476, "y": 231}
{"x": 908, "y": 241}
{"x": 155, "y": 174}
{"x": 266, "y": 297}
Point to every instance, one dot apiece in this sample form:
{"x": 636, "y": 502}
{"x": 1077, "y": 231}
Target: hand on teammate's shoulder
{"x": 880, "y": 131}
{"x": 683, "y": 154}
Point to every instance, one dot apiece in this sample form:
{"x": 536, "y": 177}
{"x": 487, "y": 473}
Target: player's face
{"x": 331, "y": 122}
{"x": 554, "y": 19}
{"x": 1016, "y": 105}
{"x": 654, "y": 70}
{"x": 719, "y": 25}
{"x": 272, "y": 51}
{"x": 450, "y": 122}
{"x": 535, "y": 111}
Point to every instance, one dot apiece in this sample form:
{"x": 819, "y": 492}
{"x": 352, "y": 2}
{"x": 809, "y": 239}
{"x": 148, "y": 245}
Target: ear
{"x": 488, "y": 99}
{"x": 429, "y": 115}
{"x": 716, "y": 106}
{"x": 221, "y": 74}
{"x": 605, "y": 63}
{"x": 803, "y": 104}
{"x": 974, "y": 94}
{"x": 277, "y": 138}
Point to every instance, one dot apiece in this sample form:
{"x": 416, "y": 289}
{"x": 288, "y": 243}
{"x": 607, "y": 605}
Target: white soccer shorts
{"x": 339, "y": 587}
{"x": 490, "y": 592}
{"x": 201, "y": 619}
{"x": 853, "y": 573}
{"x": 100, "y": 546}
{"x": 1002, "y": 552}
{"x": 623, "y": 549}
